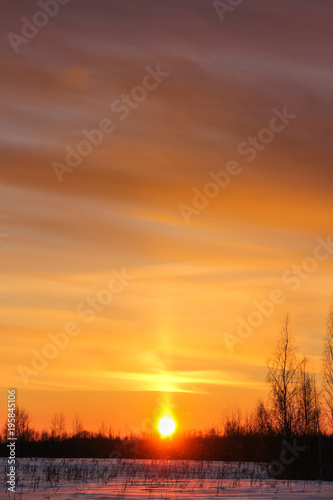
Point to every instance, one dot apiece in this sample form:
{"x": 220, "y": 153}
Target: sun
{"x": 166, "y": 426}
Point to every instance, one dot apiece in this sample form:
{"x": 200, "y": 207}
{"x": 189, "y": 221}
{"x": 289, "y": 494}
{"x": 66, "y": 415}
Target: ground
{"x": 91, "y": 479}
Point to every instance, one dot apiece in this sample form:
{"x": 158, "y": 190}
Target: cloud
{"x": 119, "y": 208}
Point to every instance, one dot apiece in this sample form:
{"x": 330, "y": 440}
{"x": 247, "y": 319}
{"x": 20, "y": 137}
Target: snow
{"x": 92, "y": 479}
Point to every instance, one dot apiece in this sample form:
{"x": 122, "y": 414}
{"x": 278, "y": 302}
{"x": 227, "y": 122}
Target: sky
{"x": 204, "y": 177}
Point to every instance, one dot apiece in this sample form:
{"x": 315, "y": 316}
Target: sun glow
{"x": 166, "y": 426}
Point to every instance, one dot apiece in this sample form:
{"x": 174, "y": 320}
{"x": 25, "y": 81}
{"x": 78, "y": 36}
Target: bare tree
{"x": 308, "y": 408}
{"x": 262, "y": 419}
{"x": 328, "y": 365}
{"x": 58, "y": 427}
{"x": 283, "y": 367}
{"x": 54, "y": 426}
{"x": 249, "y": 422}
{"x": 23, "y": 424}
{"x": 62, "y": 425}
{"x": 232, "y": 421}
{"x": 102, "y": 431}
{"x": 77, "y": 426}
{"x": 23, "y": 428}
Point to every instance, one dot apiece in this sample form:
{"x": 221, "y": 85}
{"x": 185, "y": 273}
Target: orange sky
{"x": 162, "y": 337}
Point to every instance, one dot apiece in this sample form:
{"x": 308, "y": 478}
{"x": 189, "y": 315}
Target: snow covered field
{"x": 89, "y": 479}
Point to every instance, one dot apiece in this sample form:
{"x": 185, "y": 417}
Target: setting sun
{"x": 166, "y": 426}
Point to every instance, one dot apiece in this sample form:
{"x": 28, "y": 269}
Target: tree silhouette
{"x": 282, "y": 375}
{"x": 328, "y": 366}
